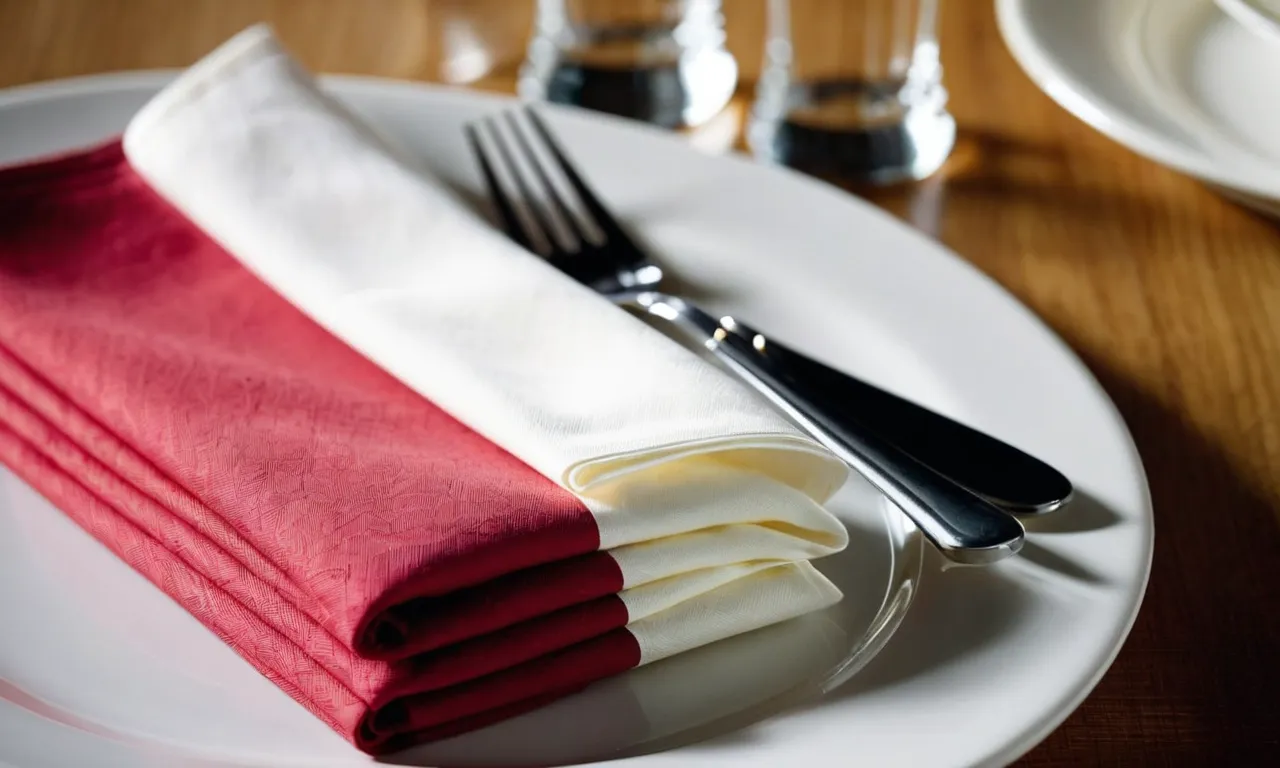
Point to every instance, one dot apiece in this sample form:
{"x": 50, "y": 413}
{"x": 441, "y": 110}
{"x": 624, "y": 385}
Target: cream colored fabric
{"x": 759, "y": 598}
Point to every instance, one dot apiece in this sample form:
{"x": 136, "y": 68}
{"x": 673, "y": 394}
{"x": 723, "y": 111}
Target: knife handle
{"x": 1002, "y": 474}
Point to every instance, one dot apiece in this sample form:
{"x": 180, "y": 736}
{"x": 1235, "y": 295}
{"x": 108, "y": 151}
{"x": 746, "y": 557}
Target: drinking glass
{"x": 852, "y": 90}
{"x": 660, "y": 61}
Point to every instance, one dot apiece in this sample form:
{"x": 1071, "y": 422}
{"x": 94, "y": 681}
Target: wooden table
{"x": 1168, "y": 292}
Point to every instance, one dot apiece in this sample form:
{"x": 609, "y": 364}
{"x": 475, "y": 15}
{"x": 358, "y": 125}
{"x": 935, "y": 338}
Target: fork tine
{"x": 506, "y": 211}
{"x": 557, "y": 200}
{"x": 534, "y": 206}
{"x": 610, "y": 226}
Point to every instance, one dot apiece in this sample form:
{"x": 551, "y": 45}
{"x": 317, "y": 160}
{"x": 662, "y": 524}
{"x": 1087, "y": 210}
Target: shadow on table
{"x": 989, "y": 168}
{"x": 1196, "y": 682}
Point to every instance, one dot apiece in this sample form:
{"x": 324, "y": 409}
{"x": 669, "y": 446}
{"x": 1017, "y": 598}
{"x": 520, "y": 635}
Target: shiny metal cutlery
{"x": 953, "y": 481}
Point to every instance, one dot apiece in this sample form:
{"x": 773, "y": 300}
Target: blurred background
{"x": 846, "y": 89}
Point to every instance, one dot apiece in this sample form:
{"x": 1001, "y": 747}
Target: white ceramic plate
{"x": 1260, "y": 16}
{"x": 97, "y": 668}
{"x": 1177, "y": 81}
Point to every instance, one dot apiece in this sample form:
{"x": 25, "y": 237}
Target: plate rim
{"x": 1032, "y": 735}
{"x": 1074, "y": 94}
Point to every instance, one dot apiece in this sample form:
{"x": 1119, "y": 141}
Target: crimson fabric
{"x": 393, "y": 571}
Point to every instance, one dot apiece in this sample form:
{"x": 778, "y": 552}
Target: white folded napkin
{"x": 657, "y": 443}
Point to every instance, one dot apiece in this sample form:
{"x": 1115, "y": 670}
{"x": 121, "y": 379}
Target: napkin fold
{"x": 527, "y": 492}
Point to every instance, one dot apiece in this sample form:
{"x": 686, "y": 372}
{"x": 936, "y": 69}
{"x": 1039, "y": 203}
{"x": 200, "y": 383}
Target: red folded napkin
{"x": 300, "y": 502}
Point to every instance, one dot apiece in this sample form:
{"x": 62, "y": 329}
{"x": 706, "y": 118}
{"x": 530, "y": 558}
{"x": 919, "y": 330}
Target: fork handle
{"x": 964, "y": 527}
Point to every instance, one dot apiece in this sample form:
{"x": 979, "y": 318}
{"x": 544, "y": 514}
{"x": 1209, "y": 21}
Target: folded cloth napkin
{"x": 349, "y": 231}
{"x": 393, "y": 570}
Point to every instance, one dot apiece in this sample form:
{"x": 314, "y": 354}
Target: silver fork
{"x": 964, "y": 526}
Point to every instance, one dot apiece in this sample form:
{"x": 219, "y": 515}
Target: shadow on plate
{"x": 959, "y": 613}
{"x": 1059, "y": 565}
{"x": 715, "y": 695}
{"x": 1084, "y": 513}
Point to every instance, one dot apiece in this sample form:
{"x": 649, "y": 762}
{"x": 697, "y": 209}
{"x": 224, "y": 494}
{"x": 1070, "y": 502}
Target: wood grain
{"x": 1169, "y": 293}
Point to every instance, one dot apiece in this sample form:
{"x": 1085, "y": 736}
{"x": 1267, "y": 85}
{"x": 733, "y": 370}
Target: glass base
{"x": 679, "y": 94}
{"x": 908, "y": 150}
{"x": 851, "y": 130}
